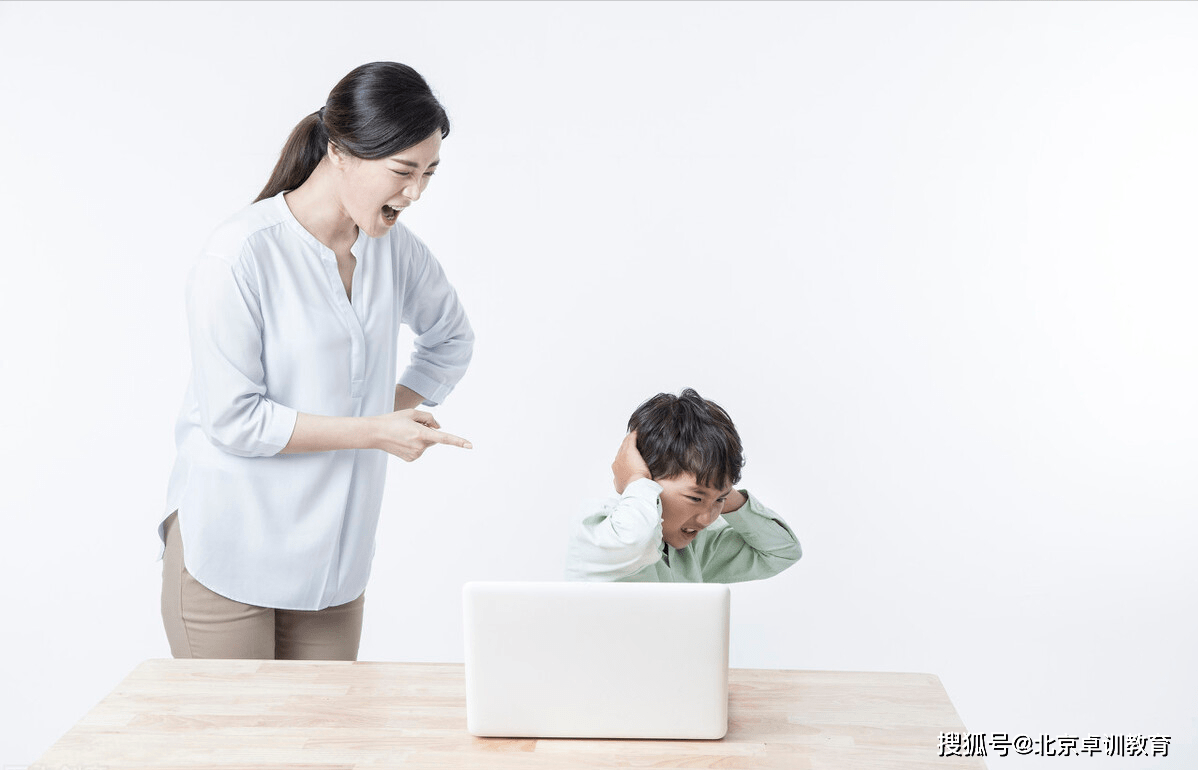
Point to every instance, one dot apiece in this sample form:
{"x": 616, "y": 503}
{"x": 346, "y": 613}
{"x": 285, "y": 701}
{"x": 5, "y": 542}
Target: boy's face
{"x": 688, "y": 508}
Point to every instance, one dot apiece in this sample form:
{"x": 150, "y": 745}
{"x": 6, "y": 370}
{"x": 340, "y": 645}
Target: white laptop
{"x": 596, "y": 660}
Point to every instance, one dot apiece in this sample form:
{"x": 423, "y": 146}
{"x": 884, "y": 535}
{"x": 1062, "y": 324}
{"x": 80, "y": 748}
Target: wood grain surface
{"x": 254, "y": 714}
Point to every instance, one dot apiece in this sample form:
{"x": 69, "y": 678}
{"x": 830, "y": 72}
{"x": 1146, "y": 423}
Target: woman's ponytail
{"x": 300, "y": 156}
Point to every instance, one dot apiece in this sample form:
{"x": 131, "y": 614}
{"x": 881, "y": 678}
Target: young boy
{"x": 678, "y": 517}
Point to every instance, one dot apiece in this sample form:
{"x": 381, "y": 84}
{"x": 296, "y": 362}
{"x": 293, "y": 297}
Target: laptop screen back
{"x": 596, "y": 660}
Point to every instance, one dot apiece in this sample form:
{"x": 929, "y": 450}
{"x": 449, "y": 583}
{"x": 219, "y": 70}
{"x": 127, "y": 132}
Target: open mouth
{"x": 390, "y": 214}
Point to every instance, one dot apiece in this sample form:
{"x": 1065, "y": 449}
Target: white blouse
{"x": 273, "y": 334}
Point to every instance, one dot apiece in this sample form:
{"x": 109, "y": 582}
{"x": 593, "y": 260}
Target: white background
{"x": 937, "y": 260}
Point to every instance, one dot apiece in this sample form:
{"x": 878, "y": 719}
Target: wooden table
{"x": 333, "y": 715}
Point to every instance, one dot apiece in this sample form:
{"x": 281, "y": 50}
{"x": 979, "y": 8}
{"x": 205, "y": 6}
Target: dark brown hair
{"x": 376, "y": 110}
{"x": 688, "y": 433}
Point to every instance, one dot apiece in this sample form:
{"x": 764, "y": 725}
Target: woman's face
{"x": 373, "y": 192}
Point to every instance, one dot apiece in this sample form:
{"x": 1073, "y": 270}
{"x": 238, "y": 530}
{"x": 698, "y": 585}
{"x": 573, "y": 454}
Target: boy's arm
{"x": 621, "y": 538}
{"x": 755, "y": 544}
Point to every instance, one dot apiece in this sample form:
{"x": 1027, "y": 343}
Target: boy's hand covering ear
{"x": 628, "y": 465}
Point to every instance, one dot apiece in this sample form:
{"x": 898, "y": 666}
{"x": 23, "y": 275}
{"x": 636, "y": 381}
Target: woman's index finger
{"x": 441, "y": 437}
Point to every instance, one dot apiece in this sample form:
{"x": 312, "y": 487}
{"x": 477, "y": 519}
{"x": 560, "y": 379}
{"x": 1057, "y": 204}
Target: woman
{"x": 294, "y": 309}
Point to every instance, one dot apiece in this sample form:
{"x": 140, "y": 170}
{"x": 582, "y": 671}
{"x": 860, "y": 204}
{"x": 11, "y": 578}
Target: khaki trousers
{"x": 203, "y": 624}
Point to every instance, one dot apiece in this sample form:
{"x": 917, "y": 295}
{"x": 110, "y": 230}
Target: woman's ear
{"x": 335, "y": 156}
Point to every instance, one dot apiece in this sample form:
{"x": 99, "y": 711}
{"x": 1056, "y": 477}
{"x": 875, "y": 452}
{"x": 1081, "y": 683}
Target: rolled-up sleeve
{"x": 444, "y": 338}
{"x": 225, "y": 325}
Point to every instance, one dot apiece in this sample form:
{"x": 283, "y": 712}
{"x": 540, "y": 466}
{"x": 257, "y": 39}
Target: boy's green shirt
{"x": 622, "y": 541}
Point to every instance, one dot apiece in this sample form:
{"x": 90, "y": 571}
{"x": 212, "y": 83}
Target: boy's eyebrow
{"x": 702, "y": 491}
{"x": 416, "y": 165}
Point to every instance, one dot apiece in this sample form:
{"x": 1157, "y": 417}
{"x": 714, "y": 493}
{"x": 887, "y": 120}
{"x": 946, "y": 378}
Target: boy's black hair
{"x": 677, "y": 434}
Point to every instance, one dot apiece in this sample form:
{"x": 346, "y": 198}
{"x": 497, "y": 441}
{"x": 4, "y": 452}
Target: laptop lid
{"x": 596, "y": 660}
